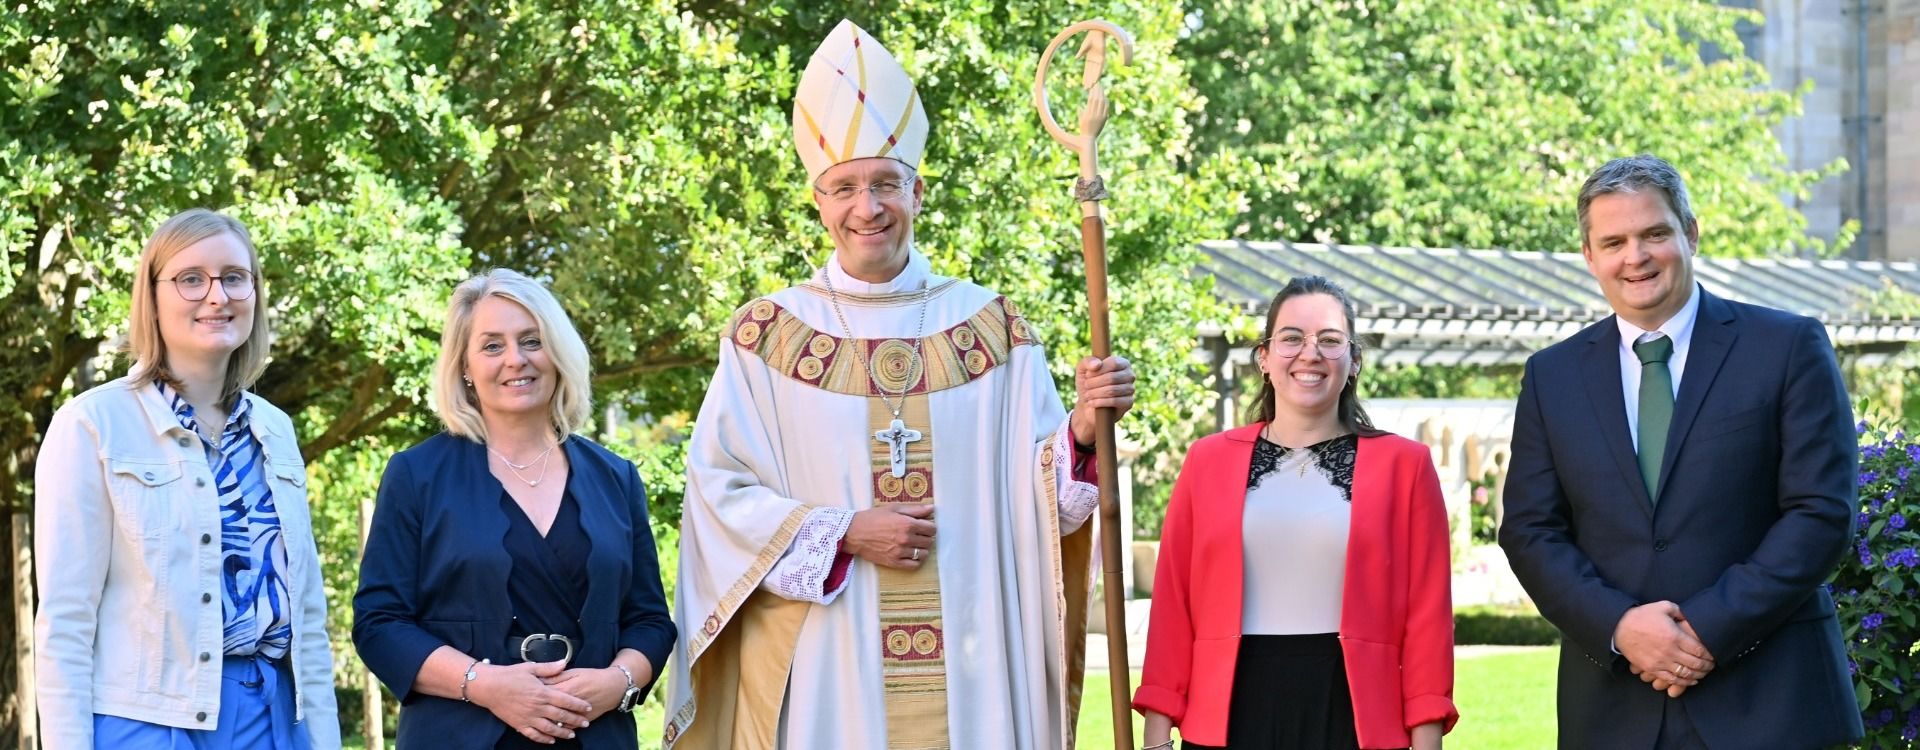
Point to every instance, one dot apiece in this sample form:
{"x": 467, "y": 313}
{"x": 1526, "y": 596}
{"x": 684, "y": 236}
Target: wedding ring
{"x": 1680, "y": 670}
{"x": 916, "y": 554}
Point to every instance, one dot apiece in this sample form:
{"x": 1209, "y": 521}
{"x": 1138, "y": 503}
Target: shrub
{"x": 1503, "y": 627}
{"x": 1875, "y": 589}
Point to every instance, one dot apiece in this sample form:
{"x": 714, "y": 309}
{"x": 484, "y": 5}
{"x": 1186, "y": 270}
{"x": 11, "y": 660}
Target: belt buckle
{"x": 568, "y": 659}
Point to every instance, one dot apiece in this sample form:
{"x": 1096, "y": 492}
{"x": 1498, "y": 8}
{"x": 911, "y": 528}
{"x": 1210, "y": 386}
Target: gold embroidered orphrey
{"x": 895, "y": 435}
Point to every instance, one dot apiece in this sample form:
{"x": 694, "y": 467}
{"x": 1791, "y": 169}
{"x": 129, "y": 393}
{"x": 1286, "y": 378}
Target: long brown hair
{"x": 1352, "y": 415}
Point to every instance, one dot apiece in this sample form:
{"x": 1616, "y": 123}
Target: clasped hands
{"x": 546, "y": 702}
{"x": 1661, "y": 647}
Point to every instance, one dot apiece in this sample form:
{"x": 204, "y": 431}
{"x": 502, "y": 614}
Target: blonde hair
{"x": 144, "y": 343}
{"x": 456, "y": 404}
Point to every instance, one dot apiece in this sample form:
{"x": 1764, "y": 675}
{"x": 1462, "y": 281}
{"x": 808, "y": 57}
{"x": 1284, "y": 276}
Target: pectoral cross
{"x": 896, "y": 436}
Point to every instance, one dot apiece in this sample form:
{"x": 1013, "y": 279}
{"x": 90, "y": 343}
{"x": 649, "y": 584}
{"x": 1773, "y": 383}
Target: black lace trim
{"x": 1334, "y": 458}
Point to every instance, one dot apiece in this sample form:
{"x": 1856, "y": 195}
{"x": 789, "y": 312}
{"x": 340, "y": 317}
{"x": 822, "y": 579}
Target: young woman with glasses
{"x": 181, "y": 602}
{"x": 1301, "y": 597}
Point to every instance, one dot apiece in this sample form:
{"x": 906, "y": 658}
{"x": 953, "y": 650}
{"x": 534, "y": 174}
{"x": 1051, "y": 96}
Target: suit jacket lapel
{"x": 1602, "y": 363}
{"x": 1713, "y": 334}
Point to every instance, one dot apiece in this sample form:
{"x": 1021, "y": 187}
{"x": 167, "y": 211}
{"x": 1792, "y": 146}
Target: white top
{"x": 1680, "y": 329}
{"x": 1294, "y": 537}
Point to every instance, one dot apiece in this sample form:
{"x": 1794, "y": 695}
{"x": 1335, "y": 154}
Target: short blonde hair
{"x": 456, "y": 404}
{"x": 144, "y": 343}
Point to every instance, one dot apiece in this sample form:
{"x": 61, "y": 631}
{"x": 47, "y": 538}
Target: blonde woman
{"x": 509, "y": 593}
{"x": 181, "y": 602}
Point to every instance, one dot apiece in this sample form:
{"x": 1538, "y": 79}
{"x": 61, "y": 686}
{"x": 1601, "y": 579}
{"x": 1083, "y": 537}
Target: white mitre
{"x": 855, "y": 102}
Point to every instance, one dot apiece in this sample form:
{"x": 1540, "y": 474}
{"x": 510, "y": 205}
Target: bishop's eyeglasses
{"x": 886, "y": 190}
{"x": 193, "y": 284}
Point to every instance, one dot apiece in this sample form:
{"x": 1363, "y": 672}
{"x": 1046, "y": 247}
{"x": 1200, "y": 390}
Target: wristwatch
{"x": 631, "y": 699}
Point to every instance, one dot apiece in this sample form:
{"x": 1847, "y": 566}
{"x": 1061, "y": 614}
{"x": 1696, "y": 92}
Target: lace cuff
{"x": 1074, "y": 482}
{"x": 802, "y": 573}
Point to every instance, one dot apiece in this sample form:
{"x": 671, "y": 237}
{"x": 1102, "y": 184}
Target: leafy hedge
{"x": 1504, "y": 627}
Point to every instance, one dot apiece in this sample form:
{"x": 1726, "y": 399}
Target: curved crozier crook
{"x": 1095, "y": 49}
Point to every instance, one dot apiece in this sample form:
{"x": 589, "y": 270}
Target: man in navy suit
{"x": 1682, "y": 485}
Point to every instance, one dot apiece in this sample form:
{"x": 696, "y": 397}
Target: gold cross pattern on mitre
{"x": 856, "y": 102}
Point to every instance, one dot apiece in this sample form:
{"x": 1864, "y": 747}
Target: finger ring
{"x": 1680, "y": 670}
{"x": 559, "y": 723}
{"x": 916, "y": 553}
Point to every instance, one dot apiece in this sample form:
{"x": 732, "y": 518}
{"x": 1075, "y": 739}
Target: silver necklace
{"x": 896, "y": 436}
{"x": 517, "y": 468}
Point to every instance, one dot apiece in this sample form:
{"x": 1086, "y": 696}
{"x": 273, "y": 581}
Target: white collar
{"x": 1679, "y": 327}
{"x": 915, "y": 275}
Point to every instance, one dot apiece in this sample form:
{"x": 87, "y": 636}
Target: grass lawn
{"x": 1506, "y": 703}
{"x": 1506, "y": 700}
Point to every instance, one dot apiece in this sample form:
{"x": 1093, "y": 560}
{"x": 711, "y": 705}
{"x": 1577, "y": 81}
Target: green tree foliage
{"x": 635, "y": 154}
{"x": 1438, "y": 123}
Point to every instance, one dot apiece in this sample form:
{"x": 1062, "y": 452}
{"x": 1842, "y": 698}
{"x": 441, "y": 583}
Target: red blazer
{"x": 1396, "y": 610}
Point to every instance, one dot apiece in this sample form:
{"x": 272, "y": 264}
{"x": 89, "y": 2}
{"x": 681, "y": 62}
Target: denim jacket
{"x": 127, "y": 553}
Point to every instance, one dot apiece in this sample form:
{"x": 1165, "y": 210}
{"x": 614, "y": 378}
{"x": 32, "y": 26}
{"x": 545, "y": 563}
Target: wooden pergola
{"x": 1445, "y": 306}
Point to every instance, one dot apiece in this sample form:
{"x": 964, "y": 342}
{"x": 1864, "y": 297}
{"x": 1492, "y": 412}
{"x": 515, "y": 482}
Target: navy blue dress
{"x": 548, "y": 583}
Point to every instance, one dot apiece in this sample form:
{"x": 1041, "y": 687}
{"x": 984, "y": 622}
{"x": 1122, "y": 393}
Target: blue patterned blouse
{"x": 253, "y": 557}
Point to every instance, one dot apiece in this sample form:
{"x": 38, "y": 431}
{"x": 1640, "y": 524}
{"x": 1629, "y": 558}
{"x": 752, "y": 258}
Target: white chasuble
{"x": 980, "y": 647}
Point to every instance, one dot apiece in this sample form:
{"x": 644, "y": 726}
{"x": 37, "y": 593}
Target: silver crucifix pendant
{"x": 896, "y": 436}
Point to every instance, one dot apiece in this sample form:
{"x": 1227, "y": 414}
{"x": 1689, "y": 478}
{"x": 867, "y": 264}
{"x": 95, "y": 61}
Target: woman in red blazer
{"x": 1334, "y": 629}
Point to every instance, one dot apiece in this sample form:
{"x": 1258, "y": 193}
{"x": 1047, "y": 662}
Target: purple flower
{"x": 1873, "y": 622}
{"x": 1866, "y": 559}
{"x": 1902, "y": 557}
{"x": 1913, "y": 452}
{"x": 1897, "y": 521}
{"x": 1868, "y": 477}
{"x": 1874, "y": 451}
{"x": 1886, "y": 716}
{"x": 1853, "y": 667}
{"x": 1903, "y": 473}
{"x": 1864, "y": 520}
{"x": 1909, "y": 732}
{"x": 1860, "y": 429}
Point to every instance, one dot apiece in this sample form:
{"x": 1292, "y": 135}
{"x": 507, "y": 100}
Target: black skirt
{"x": 1289, "y": 693}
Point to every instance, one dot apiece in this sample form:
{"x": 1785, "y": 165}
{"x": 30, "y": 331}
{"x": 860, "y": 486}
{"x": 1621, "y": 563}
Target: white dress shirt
{"x": 1680, "y": 329}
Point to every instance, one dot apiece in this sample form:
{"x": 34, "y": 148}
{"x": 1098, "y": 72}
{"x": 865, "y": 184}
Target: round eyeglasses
{"x": 194, "y": 285}
{"x": 1290, "y": 345}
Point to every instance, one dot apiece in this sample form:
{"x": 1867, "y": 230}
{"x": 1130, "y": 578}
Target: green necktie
{"x": 1656, "y": 408}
